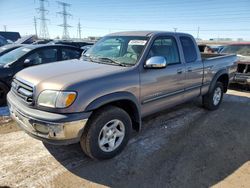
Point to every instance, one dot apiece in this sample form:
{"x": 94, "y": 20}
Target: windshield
{"x": 117, "y": 50}
{"x": 13, "y": 55}
{"x": 237, "y": 49}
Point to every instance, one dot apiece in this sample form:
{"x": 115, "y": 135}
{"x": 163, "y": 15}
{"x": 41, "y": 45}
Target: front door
{"x": 161, "y": 88}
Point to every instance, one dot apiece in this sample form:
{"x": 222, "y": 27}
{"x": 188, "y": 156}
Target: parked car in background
{"x": 7, "y": 48}
{"x": 211, "y": 48}
{"x": 30, "y": 55}
{"x": 124, "y": 77}
{"x": 11, "y": 36}
{"x": 86, "y": 48}
{"x": 242, "y": 76}
{"x": 3, "y": 41}
{"x": 78, "y": 44}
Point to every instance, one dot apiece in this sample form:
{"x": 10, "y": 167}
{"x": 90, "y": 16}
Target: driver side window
{"x": 165, "y": 47}
{"x": 43, "y": 56}
{"x": 35, "y": 59}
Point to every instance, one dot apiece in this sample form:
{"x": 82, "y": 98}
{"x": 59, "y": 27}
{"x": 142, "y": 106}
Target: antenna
{"x": 44, "y": 33}
{"x": 65, "y": 15}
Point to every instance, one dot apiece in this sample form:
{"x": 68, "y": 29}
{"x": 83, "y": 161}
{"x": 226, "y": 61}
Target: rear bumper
{"x": 59, "y": 129}
{"x": 241, "y": 78}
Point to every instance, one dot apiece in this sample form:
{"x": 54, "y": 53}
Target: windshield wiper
{"x": 111, "y": 61}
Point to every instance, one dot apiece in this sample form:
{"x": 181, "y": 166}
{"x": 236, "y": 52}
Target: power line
{"x": 65, "y": 15}
{"x": 44, "y": 32}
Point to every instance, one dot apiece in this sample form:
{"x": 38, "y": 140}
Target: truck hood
{"x": 61, "y": 74}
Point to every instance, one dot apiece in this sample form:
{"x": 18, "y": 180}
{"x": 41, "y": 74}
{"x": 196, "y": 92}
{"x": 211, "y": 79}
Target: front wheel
{"x": 212, "y": 100}
{"x": 107, "y": 133}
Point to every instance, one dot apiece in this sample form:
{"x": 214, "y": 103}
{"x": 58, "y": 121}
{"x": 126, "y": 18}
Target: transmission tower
{"x": 79, "y": 30}
{"x": 65, "y": 15}
{"x": 44, "y": 33}
{"x": 35, "y": 24}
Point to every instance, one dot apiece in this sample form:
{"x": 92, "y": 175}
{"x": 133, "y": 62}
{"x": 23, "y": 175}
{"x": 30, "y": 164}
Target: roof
{"x": 34, "y": 46}
{"x": 141, "y": 33}
{"x": 13, "y": 36}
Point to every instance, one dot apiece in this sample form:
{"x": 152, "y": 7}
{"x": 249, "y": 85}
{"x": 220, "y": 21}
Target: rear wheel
{"x": 213, "y": 99}
{"x": 107, "y": 133}
{"x": 3, "y": 94}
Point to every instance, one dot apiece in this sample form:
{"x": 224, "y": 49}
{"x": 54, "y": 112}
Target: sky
{"x": 214, "y": 18}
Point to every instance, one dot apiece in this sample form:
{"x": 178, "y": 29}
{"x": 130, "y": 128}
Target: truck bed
{"x": 206, "y": 56}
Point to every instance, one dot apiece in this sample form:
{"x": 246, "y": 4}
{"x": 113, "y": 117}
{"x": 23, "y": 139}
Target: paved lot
{"x": 183, "y": 147}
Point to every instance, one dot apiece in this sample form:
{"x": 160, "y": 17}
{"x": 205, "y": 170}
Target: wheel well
{"x": 130, "y": 108}
{"x": 224, "y": 79}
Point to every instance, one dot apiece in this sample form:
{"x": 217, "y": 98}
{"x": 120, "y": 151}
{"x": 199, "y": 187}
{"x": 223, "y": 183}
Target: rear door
{"x": 193, "y": 67}
{"x": 161, "y": 88}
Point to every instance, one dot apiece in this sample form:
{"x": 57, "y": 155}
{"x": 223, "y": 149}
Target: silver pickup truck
{"x": 99, "y": 99}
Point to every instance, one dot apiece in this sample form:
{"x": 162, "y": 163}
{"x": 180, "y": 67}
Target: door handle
{"x": 179, "y": 71}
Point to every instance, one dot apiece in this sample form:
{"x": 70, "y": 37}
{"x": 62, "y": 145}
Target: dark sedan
{"x": 7, "y": 48}
{"x": 30, "y": 55}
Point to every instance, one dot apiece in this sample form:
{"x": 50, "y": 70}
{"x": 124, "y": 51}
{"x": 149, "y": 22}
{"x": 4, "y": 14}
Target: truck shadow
{"x": 200, "y": 152}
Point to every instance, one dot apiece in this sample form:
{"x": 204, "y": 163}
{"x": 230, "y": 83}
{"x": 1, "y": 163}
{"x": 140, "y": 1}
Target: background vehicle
{"x": 7, "y": 48}
{"x": 78, "y": 44}
{"x": 30, "y": 55}
{"x": 11, "y": 36}
{"x": 3, "y": 41}
{"x": 85, "y": 48}
{"x": 121, "y": 79}
{"x": 242, "y": 76}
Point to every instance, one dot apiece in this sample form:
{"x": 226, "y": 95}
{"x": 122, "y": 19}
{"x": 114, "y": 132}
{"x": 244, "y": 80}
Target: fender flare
{"x": 114, "y": 97}
{"x": 215, "y": 78}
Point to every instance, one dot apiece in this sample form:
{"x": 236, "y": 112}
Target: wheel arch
{"x": 221, "y": 76}
{"x": 125, "y": 100}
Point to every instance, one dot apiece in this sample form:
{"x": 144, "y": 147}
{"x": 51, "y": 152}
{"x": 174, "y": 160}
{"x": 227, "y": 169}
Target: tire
{"x": 212, "y": 102}
{"x": 98, "y": 140}
{"x": 3, "y": 94}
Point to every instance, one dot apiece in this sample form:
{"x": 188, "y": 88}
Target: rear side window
{"x": 189, "y": 49}
{"x": 166, "y": 47}
{"x": 68, "y": 53}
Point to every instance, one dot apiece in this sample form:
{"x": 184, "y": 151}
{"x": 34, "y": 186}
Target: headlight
{"x": 56, "y": 99}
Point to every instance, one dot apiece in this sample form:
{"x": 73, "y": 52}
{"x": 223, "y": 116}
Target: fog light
{"x": 56, "y": 131}
{"x": 41, "y": 128}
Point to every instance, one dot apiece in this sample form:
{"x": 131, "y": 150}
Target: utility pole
{"x": 175, "y": 29}
{"x": 79, "y": 30}
{"x": 64, "y": 13}
{"x": 44, "y": 33}
{"x": 198, "y": 33}
{"x": 5, "y": 28}
{"x": 35, "y": 24}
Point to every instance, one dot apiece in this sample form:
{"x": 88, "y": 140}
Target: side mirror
{"x": 28, "y": 62}
{"x": 156, "y": 62}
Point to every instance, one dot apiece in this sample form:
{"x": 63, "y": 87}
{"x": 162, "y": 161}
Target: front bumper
{"x": 59, "y": 129}
{"x": 242, "y": 78}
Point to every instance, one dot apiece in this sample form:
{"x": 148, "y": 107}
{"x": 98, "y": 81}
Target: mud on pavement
{"x": 183, "y": 147}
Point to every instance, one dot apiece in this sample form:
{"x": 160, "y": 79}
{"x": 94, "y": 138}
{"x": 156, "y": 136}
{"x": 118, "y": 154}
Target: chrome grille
{"x": 23, "y": 90}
